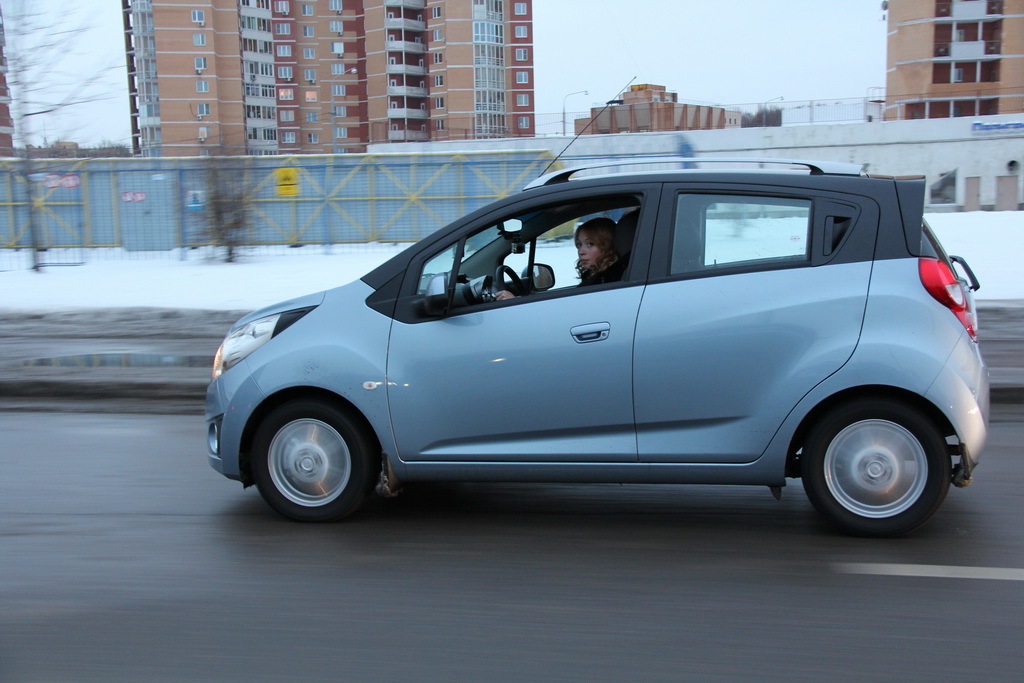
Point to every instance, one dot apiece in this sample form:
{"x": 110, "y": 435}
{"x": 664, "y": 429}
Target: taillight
{"x": 940, "y": 282}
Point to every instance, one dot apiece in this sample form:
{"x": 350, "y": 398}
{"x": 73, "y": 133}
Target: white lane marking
{"x": 930, "y": 571}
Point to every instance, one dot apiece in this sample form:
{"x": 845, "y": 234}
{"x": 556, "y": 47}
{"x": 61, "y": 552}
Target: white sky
{"x": 983, "y": 238}
{"x": 709, "y": 51}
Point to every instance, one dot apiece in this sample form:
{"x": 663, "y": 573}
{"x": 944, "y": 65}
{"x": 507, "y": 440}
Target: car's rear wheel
{"x": 312, "y": 462}
{"x": 875, "y": 467}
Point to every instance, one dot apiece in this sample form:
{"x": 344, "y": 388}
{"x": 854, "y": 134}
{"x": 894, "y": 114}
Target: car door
{"x": 542, "y": 378}
{"x": 757, "y": 297}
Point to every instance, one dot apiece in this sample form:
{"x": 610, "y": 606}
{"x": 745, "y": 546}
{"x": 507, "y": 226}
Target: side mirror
{"x": 435, "y": 301}
{"x": 543, "y": 277}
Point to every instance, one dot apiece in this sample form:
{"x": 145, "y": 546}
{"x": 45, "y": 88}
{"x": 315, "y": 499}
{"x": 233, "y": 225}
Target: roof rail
{"x": 815, "y": 167}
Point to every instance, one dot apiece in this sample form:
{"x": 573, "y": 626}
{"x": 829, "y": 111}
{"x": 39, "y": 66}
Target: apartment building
{"x": 950, "y": 58}
{"x": 325, "y": 76}
{"x": 6, "y": 122}
{"x": 647, "y": 108}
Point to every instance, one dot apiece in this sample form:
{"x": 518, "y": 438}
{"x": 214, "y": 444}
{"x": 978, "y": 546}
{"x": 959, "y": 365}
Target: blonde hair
{"x": 602, "y": 232}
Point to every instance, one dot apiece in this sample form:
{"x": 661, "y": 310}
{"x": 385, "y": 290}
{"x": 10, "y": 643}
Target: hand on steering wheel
{"x": 515, "y": 285}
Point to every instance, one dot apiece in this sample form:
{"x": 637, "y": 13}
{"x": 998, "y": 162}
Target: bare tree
{"x": 44, "y": 76}
{"x": 228, "y": 202}
{"x": 764, "y": 117}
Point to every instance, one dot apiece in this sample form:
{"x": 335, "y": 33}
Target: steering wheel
{"x": 515, "y": 286}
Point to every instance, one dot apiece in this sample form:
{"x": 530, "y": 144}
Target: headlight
{"x": 239, "y": 344}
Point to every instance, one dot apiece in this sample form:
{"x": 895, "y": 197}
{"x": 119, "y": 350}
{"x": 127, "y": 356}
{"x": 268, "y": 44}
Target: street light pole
{"x": 578, "y": 92}
{"x": 764, "y": 109}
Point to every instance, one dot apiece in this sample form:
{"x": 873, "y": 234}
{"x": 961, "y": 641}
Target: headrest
{"x": 625, "y": 229}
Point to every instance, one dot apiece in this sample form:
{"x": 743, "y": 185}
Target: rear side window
{"x": 715, "y": 231}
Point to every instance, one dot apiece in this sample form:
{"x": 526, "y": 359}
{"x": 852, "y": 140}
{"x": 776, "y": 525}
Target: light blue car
{"x": 679, "y": 326}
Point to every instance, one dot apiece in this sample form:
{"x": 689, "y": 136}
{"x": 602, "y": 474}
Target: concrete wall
{"x": 977, "y": 151}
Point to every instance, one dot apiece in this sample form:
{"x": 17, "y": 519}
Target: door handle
{"x": 590, "y": 333}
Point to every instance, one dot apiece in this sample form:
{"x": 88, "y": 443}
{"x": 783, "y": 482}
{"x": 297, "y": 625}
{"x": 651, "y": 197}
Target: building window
{"x": 309, "y": 75}
{"x": 203, "y": 109}
{"x": 335, "y": 5}
{"x": 312, "y": 117}
{"x": 284, "y": 50}
{"x": 438, "y": 35}
{"x": 198, "y": 17}
{"x": 438, "y": 57}
{"x": 307, "y": 31}
{"x": 488, "y": 32}
{"x": 286, "y": 93}
{"x": 286, "y": 114}
{"x": 313, "y": 138}
{"x": 309, "y": 53}
{"x": 439, "y": 124}
{"x": 524, "y": 122}
{"x": 202, "y": 86}
{"x": 521, "y": 32}
{"x": 337, "y": 26}
{"x": 522, "y": 54}
{"x": 522, "y": 77}
{"x": 340, "y": 110}
{"x": 199, "y": 39}
{"x": 438, "y": 80}
{"x": 281, "y": 6}
{"x": 285, "y": 73}
{"x": 338, "y": 90}
{"x": 283, "y": 28}
{"x": 288, "y": 137}
{"x": 200, "y": 64}
{"x": 310, "y": 96}
{"x": 519, "y": 9}
{"x": 522, "y": 100}
{"x": 438, "y": 103}
{"x": 435, "y": 12}
{"x": 307, "y": 10}
{"x": 204, "y": 132}
{"x": 340, "y": 132}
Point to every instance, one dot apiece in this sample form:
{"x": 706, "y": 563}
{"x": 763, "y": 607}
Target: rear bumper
{"x": 961, "y": 391}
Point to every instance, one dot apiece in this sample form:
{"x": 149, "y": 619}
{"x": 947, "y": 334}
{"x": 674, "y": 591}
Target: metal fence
{"x": 58, "y": 211}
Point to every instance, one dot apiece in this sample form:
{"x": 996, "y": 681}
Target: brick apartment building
{"x": 325, "y": 76}
{"x": 951, "y": 58}
{"x": 647, "y": 108}
{"x": 6, "y": 122}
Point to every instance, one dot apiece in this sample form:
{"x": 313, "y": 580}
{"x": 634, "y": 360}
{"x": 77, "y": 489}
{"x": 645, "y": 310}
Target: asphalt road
{"x": 124, "y": 557}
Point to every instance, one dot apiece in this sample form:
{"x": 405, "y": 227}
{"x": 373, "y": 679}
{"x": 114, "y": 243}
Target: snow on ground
{"x": 990, "y": 241}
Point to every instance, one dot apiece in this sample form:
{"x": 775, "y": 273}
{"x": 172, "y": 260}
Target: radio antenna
{"x": 585, "y": 128}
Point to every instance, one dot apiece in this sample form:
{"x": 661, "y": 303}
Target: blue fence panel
{"x": 160, "y": 205}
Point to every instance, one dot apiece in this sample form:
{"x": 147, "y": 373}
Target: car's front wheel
{"x": 875, "y": 467}
{"x": 312, "y": 462}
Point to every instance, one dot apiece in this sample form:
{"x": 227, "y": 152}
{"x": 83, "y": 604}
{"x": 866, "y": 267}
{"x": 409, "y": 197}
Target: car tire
{"x": 312, "y": 462}
{"x": 875, "y": 467}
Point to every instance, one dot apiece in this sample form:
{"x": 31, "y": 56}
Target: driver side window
{"x": 534, "y": 251}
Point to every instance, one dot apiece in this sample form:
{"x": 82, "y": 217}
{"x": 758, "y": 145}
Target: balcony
{"x": 408, "y": 136}
{"x": 407, "y": 91}
{"x": 405, "y": 46}
{"x": 407, "y": 24}
{"x": 411, "y": 4}
{"x": 976, "y": 10}
{"x": 397, "y": 113}
{"x": 969, "y": 51}
{"x": 406, "y": 69}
